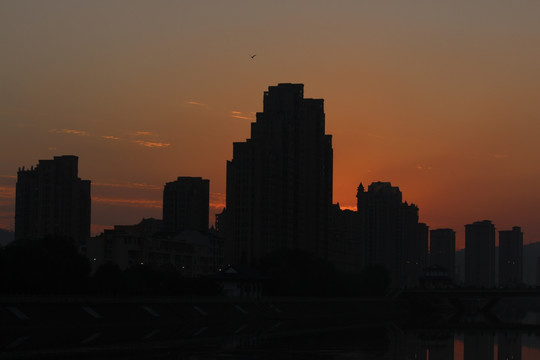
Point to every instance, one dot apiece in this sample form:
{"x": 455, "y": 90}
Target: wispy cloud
{"x": 144, "y": 133}
{"x": 145, "y": 203}
{"x": 7, "y": 214}
{"x": 51, "y": 148}
{"x": 241, "y": 115}
{"x": 217, "y": 200}
{"x": 8, "y": 177}
{"x": 7, "y": 219}
{"x": 7, "y": 192}
{"x": 195, "y": 103}
{"x": 70, "y": 132}
{"x": 420, "y": 167}
{"x": 110, "y": 137}
{"x": 129, "y": 185}
{"x": 152, "y": 144}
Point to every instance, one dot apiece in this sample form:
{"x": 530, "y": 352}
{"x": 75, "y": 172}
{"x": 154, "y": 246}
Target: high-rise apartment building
{"x": 185, "y": 204}
{"x": 392, "y": 235}
{"x": 480, "y": 254}
{"x": 51, "y": 200}
{"x": 511, "y": 257}
{"x": 442, "y": 250}
{"x": 279, "y": 182}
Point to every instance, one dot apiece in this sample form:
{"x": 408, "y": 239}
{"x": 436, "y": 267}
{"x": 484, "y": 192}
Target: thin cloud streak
{"x": 242, "y": 117}
{"x": 152, "y": 144}
{"x": 217, "y": 201}
{"x": 195, "y": 103}
{"x": 143, "y": 203}
{"x": 129, "y": 186}
{"x": 7, "y": 192}
{"x": 110, "y": 137}
{"x": 7, "y": 214}
{"x": 70, "y": 132}
{"x": 144, "y": 133}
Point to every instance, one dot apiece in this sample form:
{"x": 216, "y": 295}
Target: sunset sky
{"x": 441, "y": 98}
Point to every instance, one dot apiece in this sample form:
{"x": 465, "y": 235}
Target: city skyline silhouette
{"x": 279, "y": 198}
{"x": 438, "y": 99}
{"x": 146, "y": 119}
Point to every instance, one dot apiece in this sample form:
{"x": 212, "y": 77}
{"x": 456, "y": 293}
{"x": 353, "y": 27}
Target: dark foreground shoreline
{"x": 47, "y": 326}
{"x": 91, "y": 327}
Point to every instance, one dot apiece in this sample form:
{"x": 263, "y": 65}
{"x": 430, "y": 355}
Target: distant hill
{"x": 531, "y": 254}
{"x": 6, "y": 237}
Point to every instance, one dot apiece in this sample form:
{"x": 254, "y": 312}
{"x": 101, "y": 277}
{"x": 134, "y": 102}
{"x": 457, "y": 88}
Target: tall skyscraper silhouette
{"x": 392, "y": 234}
{"x": 442, "y": 250}
{"x": 51, "y": 200}
{"x": 480, "y": 254}
{"x": 279, "y": 182}
{"x": 185, "y": 204}
{"x": 511, "y": 257}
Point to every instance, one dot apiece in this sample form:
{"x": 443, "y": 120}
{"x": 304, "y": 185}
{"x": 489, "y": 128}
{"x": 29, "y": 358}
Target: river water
{"x": 511, "y": 335}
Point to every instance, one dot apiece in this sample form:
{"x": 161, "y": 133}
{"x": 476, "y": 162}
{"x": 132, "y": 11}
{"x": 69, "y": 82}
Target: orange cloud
{"x": 217, "y": 201}
{"x": 110, "y": 137}
{"x": 129, "y": 185}
{"x": 143, "y": 133}
{"x": 7, "y": 220}
{"x": 70, "y": 132}
{"x": 151, "y": 144}
{"x": 145, "y": 203}
{"x": 7, "y": 192}
{"x": 241, "y": 115}
{"x": 195, "y": 103}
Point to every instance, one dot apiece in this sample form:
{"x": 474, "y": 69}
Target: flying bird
{"x": 252, "y": 56}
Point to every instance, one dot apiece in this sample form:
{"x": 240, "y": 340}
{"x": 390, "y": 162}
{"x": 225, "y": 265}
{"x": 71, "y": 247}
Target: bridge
{"x": 464, "y": 304}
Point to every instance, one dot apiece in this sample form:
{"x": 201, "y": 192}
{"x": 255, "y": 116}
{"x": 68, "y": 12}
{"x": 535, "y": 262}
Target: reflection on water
{"x": 370, "y": 343}
{"x": 510, "y": 332}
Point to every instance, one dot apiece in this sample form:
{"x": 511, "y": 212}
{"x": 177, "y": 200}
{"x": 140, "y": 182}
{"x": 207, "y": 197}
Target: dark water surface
{"x": 382, "y": 341}
{"x": 510, "y": 332}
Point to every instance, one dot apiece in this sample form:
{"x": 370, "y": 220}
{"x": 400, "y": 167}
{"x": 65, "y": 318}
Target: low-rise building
{"x": 191, "y": 252}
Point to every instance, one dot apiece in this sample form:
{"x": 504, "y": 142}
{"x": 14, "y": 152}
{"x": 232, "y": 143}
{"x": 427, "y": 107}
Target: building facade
{"x": 511, "y": 257}
{"x": 392, "y": 234}
{"x": 51, "y": 200}
{"x": 279, "y": 182}
{"x": 442, "y": 250}
{"x": 480, "y": 254}
{"x": 186, "y": 204}
{"x": 191, "y": 252}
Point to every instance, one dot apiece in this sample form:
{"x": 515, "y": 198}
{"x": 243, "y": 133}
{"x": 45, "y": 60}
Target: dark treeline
{"x": 296, "y": 273}
{"x": 52, "y": 266}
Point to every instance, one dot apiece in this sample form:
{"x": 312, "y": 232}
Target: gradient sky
{"x": 440, "y": 98}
